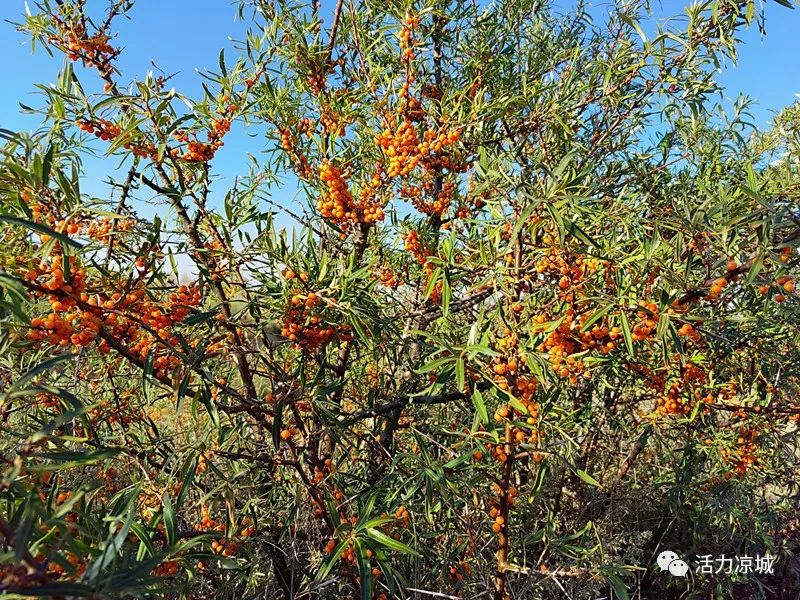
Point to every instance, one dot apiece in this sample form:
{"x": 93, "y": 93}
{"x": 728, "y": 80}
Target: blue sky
{"x": 185, "y": 35}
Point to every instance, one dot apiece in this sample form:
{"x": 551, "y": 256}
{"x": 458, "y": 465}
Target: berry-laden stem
{"x": 501, "y": 579}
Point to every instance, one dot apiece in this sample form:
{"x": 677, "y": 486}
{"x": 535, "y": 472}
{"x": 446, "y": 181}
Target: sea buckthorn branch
{"x": 125, "y": 190}
{"x": 713, "y": 286}
{"x": 72, "y": 37}
{"x": 337, "y": 13}
{"x": 191, "y": 230}
{"x": 630, "y": 459}
{"x": 114, "y": 342}
{"x": 430, "y": 314}
{"x": 197, "y": 152}
{"x": 502, "y": 520}
{"x": 406, "y": 400}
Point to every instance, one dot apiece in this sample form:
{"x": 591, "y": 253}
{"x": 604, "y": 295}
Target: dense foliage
{"x": 533, "y": 321}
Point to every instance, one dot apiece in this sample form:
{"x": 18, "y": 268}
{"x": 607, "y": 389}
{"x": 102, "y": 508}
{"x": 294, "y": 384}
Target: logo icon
{"x": 669, "y": 561}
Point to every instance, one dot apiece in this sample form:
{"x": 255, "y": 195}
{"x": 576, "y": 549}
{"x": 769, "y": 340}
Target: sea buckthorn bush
{"x": 532, "y": 320}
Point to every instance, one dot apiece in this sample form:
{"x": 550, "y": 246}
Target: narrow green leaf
{"x": 391, "y": 543}
{"x": 480, "y": 406}
{"x": 626, "y": 331}
{"x": 587, "y": 478}
{"x": 12, "y": 220}
{"x": 169, "y": 518}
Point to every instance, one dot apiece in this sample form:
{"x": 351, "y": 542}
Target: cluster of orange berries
{"x": 94, "y": 50}
{"x": 414, "y": 245}
{"x": 148, "y": 503}
{"x": 108, "y": 131}
{"x": 287, "y": 143}
{"x": 688, "y": 330}
{"x": 78, "y": 566}
{"x": 439, "y": 204}
{"x": 371, "y": 187}
{"x": 319, "y": 475}
{"x": 745, "y": 455}
{"x": 717, "y": 286}
{"x": 207, "y": 523}
{"x": 167, "y": 568}
{"x": 459, "y": 571}
{"x": 553, "y": 261}
{"x": 224, "y": 546}
{"x": 317, "y": 82}
{"x": 62, "y": 497}
{"x": 304, "y": 328}
{"x": 570, "y": 271}
{"x": 316, "y": 71}
{"x": 98, "y": 229}
{"x": 103, "y": 129}
{"x": 197, "y": 151}
{"x": 518, "y": 434}
{"x": 330, "y": 546}
{"x": 786, "y": 285}
{"x": 348, "y": 555}
{"x": 288, "y": 433}
{"x": 159, "y": 317}
{"x": 388, "y": 278}
{"x": 58, "y": 327}
{"x": 403, "y": 516}
{"x": 410, "y": 23}
{"x": 508, "y": 367}
{"x": 680, "y": 396}
{"x": 78, "y": 316}
{"x": 648, "y": 317}
{"x": 404, "y": 148}
{"x": 510, "y": 497}
{"x": 332, "y": 122}
{"x": 337, "y": 203}
{"x": 563, "y": 345}
{"x": 102, "y": 229}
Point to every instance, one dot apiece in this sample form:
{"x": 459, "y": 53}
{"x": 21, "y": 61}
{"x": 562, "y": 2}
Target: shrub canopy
{"x": 531, "y": 322}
